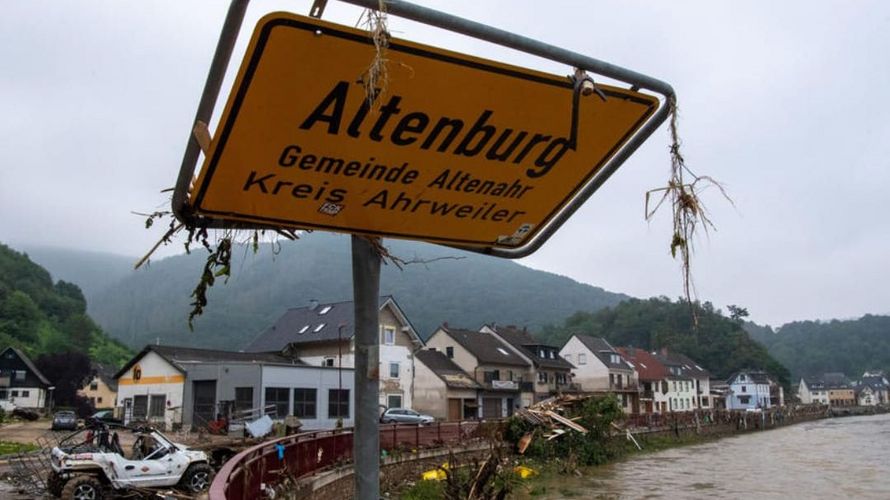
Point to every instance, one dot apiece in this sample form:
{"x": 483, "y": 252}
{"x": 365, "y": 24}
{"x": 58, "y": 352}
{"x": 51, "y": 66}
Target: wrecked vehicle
{"x": 90, "y": 465}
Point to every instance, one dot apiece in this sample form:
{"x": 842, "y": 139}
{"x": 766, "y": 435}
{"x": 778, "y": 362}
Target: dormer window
{"x": 552, "y": 355}
{"x": 542, "y": 353}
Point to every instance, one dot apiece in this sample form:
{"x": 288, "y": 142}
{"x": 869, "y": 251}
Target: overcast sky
{"x": 783, "y": 102}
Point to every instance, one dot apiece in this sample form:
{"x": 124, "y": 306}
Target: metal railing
{"x": 308, "y": 453}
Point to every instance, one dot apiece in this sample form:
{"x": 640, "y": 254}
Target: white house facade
{"x": 748, "y": 389}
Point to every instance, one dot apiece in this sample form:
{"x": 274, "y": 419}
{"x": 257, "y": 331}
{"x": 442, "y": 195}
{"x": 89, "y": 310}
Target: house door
{"x": 491, "y": 407}
{"x": 204, "y": 402}
{"x": 454, "y": 409}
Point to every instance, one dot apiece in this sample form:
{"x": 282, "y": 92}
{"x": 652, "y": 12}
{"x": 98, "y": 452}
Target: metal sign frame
{"x": 637, "y": 81}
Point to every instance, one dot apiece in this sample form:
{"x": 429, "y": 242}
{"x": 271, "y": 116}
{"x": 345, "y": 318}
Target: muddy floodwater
{"x": 844, "y": 458}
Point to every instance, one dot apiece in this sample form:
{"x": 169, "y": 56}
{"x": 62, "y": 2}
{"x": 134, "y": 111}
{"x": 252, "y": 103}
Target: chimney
{"x": 313, "y": 304}
{"x": 445, "y": 324}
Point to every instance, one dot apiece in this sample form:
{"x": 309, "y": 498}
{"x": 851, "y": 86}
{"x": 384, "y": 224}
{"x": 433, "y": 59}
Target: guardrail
{"x": 307, "y": 453}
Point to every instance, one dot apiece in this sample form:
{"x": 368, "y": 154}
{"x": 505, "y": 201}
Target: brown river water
{"x": 845, "y": 458}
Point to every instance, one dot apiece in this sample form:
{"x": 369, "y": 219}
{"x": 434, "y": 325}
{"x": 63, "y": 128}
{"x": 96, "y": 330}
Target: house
{"x": 748, "y": 390}
{"x": 101, "y": 390}
{"x": 840, "y": 390}
{"x": 22, "y": 385}
{"x": 599, "y": 367}
{"x": 865, "y": 395}
{"x": 322, "y": 335}
{"x": 550, "y": 373}
{"x": 812, "y": 391}
{"x": 700, "y": 377}
{"x": 171, "y": 386}
{"x": 662, "y": 388}
{"x": 879, "y": 384}
{"x": 504, "y": 375}
{"x": 442, "y": 389}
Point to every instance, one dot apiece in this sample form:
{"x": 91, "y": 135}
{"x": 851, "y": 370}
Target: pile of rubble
{"x": 549, "y": 415}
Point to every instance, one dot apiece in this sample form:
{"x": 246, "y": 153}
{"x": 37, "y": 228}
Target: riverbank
{"x": 555, "y": 480}
{"x": 663, "y": 432}
{"x": 823, "y": 458}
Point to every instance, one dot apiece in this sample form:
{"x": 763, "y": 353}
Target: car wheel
{"x": 197, "y": 478}
{"x": 82, "y": 488}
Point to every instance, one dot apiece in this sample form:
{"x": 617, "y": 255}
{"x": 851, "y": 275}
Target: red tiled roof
{"x": 646, "y": 364}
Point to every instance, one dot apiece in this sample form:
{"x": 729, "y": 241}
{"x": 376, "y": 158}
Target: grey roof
{"x": 179, "y": 356}
{"x": 530, "y": 347}
{"x": 757, "y": 376}
{"x": 603, "y": 350}
{"x": 485, "y": 347}
{"x": 689, "y": 366}
{"x": 836, "y": 380}
{"x": 31, "y": 366}
{"x": 874, "y": 381}
{"x": 446, "y": 370}
{"x": 324, "y": 322}
{"x": 106, "y": 374}
{"x": 814, "y": 384}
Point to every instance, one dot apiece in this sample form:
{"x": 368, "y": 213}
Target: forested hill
{"x": 719, "y": 344}
{"x": 93, "y": 272}
{"x": 810, "y": 348}
{"x": 463, "y": 288}
{"x": 42, "y": 317}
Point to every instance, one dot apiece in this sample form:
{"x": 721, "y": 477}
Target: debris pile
{"x": 549, "y": 415}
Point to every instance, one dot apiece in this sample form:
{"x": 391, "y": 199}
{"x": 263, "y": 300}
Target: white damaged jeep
{"x": 90, "y": 465}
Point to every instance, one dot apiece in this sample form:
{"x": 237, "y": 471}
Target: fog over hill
{"x": 460, "y": 287}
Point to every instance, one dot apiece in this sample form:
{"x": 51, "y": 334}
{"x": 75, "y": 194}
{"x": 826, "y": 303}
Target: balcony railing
{"x": 504, "y": 385}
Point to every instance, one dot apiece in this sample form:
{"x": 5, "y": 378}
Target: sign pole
{"x": 366, "y": 435}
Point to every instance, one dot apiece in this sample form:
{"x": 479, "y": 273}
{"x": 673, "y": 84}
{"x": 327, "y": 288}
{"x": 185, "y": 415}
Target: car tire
{"x": 197, "y": 478}
{"x": 83, "y": 488}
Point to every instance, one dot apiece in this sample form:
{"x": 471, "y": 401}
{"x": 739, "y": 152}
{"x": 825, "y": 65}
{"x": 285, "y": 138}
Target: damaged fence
{"x": 293, "y": 457}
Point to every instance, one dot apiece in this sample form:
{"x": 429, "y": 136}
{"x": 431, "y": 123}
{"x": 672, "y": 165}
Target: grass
{"x": 8, "y": 447}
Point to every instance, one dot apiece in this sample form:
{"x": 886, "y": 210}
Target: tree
{"x": 68, "y": 372}
{"x": 737, "y": 313}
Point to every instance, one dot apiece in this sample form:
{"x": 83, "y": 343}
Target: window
{"x": 98, "y": 400}
{"x": 704, "y": 401}
{"x": 567, "y": 357}
{"x": 26, "y": 394}
{"x": 502, "y": 351}
{"x": 318, "y": 328}
{"x": 94, "y": 386}
{"x": 542, "y": 353}
{"x": 20, "y": 374}
{"x": 15, "y": 394}
{"x": 491, "y": 376}
{"x": 156, "y": 406}
{"x": 393, "y": 370}
{"x": 389, "y": 335}
{"x": 449, "y": 351}
{"x": 304, "y": 402}
{"x": 542, "y": 377}
{"x": 744, "y": 399}
{"x": 278, "y": 396}
{"x": 3, "y": 395}
{"x": 303, "y": 330}
{"x": 243, "y": 398}
{"x": 744, "y": 389}
{"x": 582, "y": 358}
{"x": 394, "y": 401}
{"x": 140, "y": 407}
{"x": 338, "y": 403}
{"x": 327, "y": 362}
{"x": 324, "y": 310}
{"x": 615, "y": 359}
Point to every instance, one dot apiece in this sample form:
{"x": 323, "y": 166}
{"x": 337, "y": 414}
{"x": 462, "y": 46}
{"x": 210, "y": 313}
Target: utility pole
{"x": 366, "y": 435}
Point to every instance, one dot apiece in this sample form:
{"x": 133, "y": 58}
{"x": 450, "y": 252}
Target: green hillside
{"x": 719, "y": 344}
{"x": 462, "y": 288}
{"x": 816, "y": 347}
{"x": 41, "y": 316}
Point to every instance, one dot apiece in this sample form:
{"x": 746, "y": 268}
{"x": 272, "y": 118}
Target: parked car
{"x": 106, "y": 416}
{"x": 405, "y": 416}
{"x": 64, "y": 420}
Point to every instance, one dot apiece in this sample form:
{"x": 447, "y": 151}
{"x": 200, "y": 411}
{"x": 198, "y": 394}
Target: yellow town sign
{"x": 457, "y": 149}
